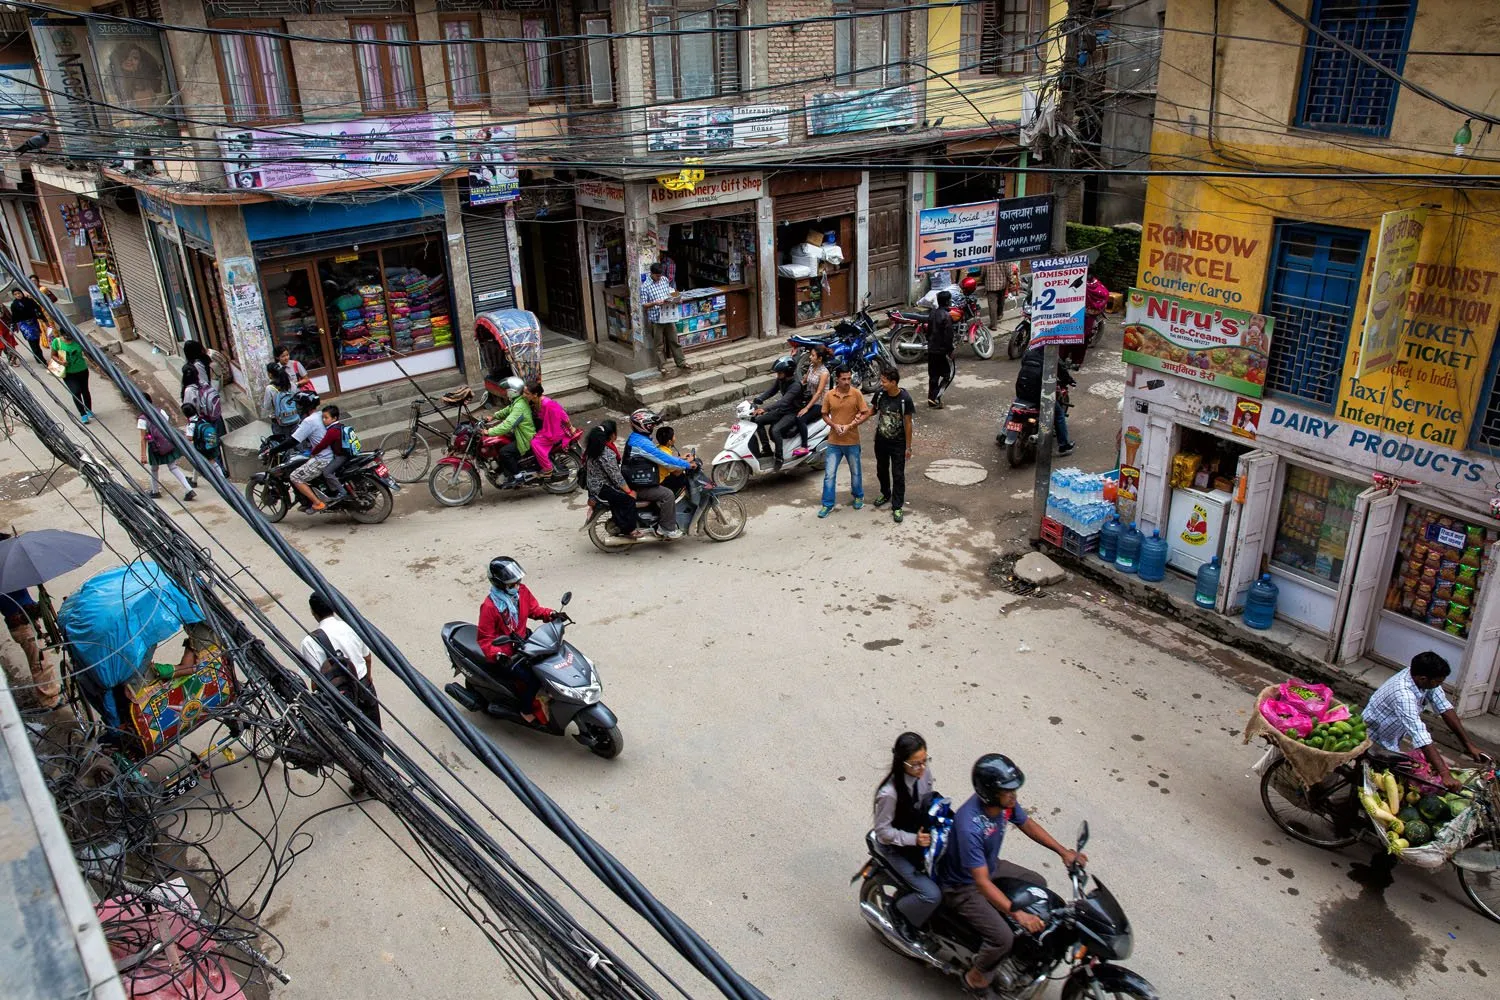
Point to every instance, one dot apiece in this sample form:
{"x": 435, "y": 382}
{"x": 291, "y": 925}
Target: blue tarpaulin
{"x": 114, "y": 621}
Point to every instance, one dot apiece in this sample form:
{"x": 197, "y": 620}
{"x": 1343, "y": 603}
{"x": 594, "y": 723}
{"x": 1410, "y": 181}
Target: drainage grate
{"x": 1002, "y": 571}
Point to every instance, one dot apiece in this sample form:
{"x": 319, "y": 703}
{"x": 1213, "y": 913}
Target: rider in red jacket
{"x": 502, "y": 616}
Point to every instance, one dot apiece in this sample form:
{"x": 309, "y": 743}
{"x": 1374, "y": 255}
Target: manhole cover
{"x": 956, "y": 472}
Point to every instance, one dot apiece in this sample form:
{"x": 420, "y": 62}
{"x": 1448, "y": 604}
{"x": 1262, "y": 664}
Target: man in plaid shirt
{"x": 1395, "y": 711}
{"x": 655, "y": 294}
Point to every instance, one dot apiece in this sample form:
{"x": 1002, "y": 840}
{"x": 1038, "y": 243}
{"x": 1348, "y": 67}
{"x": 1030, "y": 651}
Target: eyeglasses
{"x": 917, "y": 765}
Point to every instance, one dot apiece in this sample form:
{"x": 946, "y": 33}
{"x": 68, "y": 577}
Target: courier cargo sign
{"x": 1204, "y": 264}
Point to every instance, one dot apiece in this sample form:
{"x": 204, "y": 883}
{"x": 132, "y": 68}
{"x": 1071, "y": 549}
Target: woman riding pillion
{"x": 502, "y": 626}
{"x": 901, "y": 827}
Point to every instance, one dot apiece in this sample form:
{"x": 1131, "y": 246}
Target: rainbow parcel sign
{"x": 1227, "y": 348}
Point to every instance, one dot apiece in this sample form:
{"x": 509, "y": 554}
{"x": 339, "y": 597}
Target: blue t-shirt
{"x": 15, "y": 602}
{"x": 976, "y": 840}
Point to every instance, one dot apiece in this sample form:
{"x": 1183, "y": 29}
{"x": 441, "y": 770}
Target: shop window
{"x": 1312, "y": 528}
{"x": 1002, "y": 37}
{"x": 705, "y": 63}
{"x": 468, "y": 80}
{"x": 255, "y": 73}
{"x": 1439, "y": 570}
{"x": 391, "y": 299}
{"x": 599, "y": 60}
{"x": 543, "y": 72}
{"x": 294, "y": 316}
{"x": 390, "y": 76}
{"x": 1315, "y": 272}
{"x": 1340, "y": 92}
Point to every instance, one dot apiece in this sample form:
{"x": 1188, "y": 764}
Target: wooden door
{"x": 560, "y": 271}
{"x": 887, "y": 228}
{"x": 1372, "y": 573}
{"x": 294, "y": 308}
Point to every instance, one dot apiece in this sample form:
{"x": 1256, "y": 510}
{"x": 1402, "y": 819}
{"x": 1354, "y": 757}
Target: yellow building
{"x": 1338, "y": 181}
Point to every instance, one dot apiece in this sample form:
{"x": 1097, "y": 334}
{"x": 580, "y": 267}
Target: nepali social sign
{"x": 1395, "y": 264}
{"x": 1227, "y": 348}
{"x": 1059, "y": 287}
{"x": 956, "y": 236}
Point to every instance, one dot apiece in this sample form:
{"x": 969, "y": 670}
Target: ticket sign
{"x": 956, "y": 236}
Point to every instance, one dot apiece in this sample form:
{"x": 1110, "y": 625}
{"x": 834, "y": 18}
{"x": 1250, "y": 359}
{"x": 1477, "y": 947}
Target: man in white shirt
{"x": 340, "y": 642}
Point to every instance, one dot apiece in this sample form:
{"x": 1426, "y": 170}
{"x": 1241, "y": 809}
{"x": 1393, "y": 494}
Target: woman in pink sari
{"x": 552, "y": 423}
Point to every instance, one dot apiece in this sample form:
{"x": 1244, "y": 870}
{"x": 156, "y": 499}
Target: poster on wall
{"x": 296, "y": 156}
{"x": 493, "y": 177}
{"x": 1395, "y": 265}
{"x": 686, "y": 128}
{"x": 1228, "y": 348}
{"x": 841, "y": 111}
{"x": 135, "y": 76}
{"x": 1058, "y": 290}
{"x": 69, "y": 81}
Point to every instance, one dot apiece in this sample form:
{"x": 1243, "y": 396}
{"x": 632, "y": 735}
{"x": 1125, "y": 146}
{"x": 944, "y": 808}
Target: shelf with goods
{"x": 1312, "y": 533}
{"x": 701, "y": 317}
{"x": 1439, "y": 570}
{"x": 617, "y": 313}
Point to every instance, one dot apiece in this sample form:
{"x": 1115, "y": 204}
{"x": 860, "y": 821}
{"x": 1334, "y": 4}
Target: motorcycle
{"x": 570, "y": 684}
{"x": 1019, "y": 438}
{"x": 855, "y": 346}
{"x": 1020, "y": 336}
{"x": 369, "y": 488}
{"x": 907, "y": 341}
{"x": 746, "y": 454}
{"x": 700, "y": 506}
{"x": 1089, "y": 933}
{"x": 455, "y": 480}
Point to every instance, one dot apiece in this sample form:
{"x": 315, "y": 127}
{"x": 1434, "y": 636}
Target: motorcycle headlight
{"x": 588, "y": 693}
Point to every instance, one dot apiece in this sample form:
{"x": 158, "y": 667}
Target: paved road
{"x": 760, "y": 684}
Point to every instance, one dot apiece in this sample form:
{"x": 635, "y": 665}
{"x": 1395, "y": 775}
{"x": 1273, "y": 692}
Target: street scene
{"x": 548, "y": 508}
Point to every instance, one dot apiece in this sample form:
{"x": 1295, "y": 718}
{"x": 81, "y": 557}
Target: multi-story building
{"x": 1313, "y": 332}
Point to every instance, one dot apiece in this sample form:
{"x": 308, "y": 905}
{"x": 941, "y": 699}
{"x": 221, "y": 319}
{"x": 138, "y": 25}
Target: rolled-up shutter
{"x": 816, "y": 205}
{"x": 137, "y": 273}
{"x": 489, "y": 260}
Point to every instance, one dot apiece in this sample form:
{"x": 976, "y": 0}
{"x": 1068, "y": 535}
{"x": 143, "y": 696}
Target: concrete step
{"x": 726, "y": 392}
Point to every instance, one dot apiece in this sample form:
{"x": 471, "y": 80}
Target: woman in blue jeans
{"x": 901, "y": 803}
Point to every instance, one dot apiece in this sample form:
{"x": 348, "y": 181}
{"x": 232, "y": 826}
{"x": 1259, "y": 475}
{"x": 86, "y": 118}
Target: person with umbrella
{"x": 20, "y": 611}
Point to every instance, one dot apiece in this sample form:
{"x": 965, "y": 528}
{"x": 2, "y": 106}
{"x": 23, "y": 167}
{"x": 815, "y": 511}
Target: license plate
{"x": 1013, "y": 425}
{"x": 381, "y": 470}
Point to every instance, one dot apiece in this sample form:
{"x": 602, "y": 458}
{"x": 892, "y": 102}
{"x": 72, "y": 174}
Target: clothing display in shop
{"x": 419, "y": 309}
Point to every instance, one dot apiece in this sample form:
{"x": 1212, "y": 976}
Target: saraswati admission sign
{"x": 1227, "y": 348}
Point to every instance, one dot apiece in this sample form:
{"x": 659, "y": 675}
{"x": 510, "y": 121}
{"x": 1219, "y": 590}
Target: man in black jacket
{"x": 27, "y": 319}
{"x": 941, "y": 367}
{"x": 1029, "y": 391}
{"x": 780, "y": 417}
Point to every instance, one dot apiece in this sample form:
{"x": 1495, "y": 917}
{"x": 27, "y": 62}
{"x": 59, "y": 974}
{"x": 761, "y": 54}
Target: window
{"x": 1312, "y": 527}
{"x": 543, "y": 76}
{"x": 1002, "y": 37}
{"x": 704, "y": 63}
{"x": 599, "y": 61}
{"x": 1339, "y": 93}
{"x": 38, "y": 247}
{"x": 468, "y": 82}
{"x": 1314, "y": 280}
{"x": 390, "y": 76}
{"x": 867, "y": 51}
{"x": 255, "y": 73}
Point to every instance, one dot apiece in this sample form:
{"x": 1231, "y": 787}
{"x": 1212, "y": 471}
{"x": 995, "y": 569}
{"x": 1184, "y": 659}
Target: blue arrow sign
{"x": 934, "y": 255}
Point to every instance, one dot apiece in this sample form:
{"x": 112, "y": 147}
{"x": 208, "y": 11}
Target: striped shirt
{"x": 1395, "y": 710}
{"x": 656, "y": 290}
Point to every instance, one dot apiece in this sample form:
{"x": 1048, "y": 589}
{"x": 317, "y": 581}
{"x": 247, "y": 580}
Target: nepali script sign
{"x": 1228, "y": 348}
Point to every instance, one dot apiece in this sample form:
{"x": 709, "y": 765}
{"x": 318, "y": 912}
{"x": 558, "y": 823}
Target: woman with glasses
{"x": 901, "y": 802}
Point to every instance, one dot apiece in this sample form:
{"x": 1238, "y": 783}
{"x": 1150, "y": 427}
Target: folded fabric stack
{"x": 373, "y": 308}
{"x": 442, "y": 331}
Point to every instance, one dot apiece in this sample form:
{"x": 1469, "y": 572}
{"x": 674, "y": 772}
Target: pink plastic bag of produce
{"x": 1312, "y": 699}
{"x": 1337, "y": 713}
{"x": 1284, "y": 715}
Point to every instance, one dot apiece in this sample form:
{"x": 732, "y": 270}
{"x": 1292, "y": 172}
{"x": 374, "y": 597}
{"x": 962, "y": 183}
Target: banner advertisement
{"x": 135, "y": 76}
{"x": 700, "y": 128}
{"x": 840, "y": 111}
{"x": 1395, "y": 264}
{"x": 296, "y": 156}
{"x": 70, "y": 82}
{"x": 493, "y": 177}
{"x": 1228, "y": 348}
{"x": 956, "y": 236}
{"x": 1059, "y": 286}
{"x": 19, "y": 93}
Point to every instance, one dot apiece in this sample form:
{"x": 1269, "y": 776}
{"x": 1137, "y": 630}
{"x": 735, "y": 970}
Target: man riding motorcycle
{"x": 780, "y": 417}
{"x": 642, "y": 459}
{"x": 502, "y": 623}
{"x": 1029, "y": 391}
{"x": 969, "y": 867}
{"x": 515, "y": 421}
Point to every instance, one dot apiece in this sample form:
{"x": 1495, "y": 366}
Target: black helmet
{"x": 995, "y": 773}
{"x": 784, "y": 365}
{"x": 306, "y": 400}
{"x": 505, "y": 571}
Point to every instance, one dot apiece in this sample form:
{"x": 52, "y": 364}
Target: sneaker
{"x": 801, "y": 452}
{"x": 882, "y": 500}
{"x": 1066, "y": 449}
{"x": 190, "y": 495}
{"x": 896, "y": 515}
{"x": 674, "y": 533}
{"x": 825, "y": 510}
{"x": 858, "y": 505}
{"x": 84, "y": 418}
{"x": 192, "y": 482}
{"x": 156, "y": 494}
{"x": 937, "y": 405}
{"x": 933, "y": 403}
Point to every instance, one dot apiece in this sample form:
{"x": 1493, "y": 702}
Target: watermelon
{"x": 1409, "y": 814}
{"x": 1417, "y": 833}
{"x": 1433, "y": 809}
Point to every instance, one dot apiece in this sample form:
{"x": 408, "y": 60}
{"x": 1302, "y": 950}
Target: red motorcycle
{"x": 908, "y": 337}
{"x": 455, "y": 481}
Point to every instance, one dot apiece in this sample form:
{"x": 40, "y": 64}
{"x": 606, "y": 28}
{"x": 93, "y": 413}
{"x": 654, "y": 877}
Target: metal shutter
{"x": 127, "y": 236}
{"x": 489, "y": 260}
{"x": 816, "y": 205}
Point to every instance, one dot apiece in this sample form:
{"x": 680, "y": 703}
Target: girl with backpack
{"x": 279, "y": 402}
{"x": 158, "y": 450}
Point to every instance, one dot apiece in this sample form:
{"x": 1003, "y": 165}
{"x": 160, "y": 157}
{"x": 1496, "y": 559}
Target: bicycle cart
{"x": 515, "y": 335}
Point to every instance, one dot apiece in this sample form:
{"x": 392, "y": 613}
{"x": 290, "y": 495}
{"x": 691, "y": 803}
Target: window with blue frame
{"x": 1340, "y": 93}
{"x": 1486, "y": 433}
{"x": 1314, "y": 281}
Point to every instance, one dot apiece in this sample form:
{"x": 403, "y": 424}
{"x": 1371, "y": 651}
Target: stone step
{"x": 697, "y": 402}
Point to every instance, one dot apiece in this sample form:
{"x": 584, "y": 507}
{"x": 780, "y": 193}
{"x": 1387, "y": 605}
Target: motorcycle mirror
{"x": 1083, "y": 835}
{"x": 566, "y": 598}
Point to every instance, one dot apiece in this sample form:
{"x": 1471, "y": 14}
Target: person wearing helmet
{"x": 783, "y": 400}
{"x": 969, "y": 868}
{"x": 310, "y": 422}
{"x": 515, "y": 421}
{"x": 642, "y": 463}
{"x": 502, "y": 622}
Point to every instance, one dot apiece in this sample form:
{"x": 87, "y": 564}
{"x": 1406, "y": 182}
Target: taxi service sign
{"x": 956, "y": 236}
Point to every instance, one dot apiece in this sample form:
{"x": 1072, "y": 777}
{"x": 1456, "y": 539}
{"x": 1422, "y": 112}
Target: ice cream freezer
{"x": 1195, "y": 528}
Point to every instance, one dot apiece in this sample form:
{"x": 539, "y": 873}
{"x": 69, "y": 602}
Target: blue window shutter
{"x": 1314, "y": 282}
{"x": 1339, "y": 93}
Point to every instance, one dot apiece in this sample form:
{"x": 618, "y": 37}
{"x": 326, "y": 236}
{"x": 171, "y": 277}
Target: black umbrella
{"x": 38, "y": 556}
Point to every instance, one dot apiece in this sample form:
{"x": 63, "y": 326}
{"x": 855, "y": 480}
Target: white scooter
{"x": 745, "y": 455}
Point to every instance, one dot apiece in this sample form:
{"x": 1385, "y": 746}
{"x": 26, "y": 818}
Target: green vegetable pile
{"x": 1333, "y": 737}
{"x": 1409, "y": 818}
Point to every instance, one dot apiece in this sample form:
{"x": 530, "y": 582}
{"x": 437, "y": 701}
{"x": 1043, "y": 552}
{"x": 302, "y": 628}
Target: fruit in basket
{"x": 1409, "y": 814}
{"x": 1417, "y": 833}
{"x": 1433, "y": 809}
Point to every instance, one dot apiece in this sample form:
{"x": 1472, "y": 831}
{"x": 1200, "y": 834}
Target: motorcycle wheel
{"x": 731, "y": 475}
{"x": 408, "y": 456}
{"x": 454, "y": 485}
{"x": 606, "y": 743}
{"x": 907, "y": 345}
{"x": 603, "y": 540}
{"x": 724, "y": 520}
{"x": 268, "y": 498}
{"x": 874, "y": 892}
{"x": 1020, "y": 337}
{"x": 983, "y": 344}
{"x": 1483, "y": 888}
{"x": 1286, "y": 801}
{"x": 1079, "y": 989}
{"x": 566, "y": 468}
{"x": 380, "y": 502}
{"x": 1019, "y": 454}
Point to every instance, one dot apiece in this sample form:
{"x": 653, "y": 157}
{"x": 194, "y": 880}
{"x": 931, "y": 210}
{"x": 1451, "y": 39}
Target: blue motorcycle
{"x": 855, "y": 346}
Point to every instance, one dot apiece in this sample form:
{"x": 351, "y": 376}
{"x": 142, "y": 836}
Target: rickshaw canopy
{"x": 115, "y": 620}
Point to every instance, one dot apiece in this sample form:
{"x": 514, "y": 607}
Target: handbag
{"x": 56, "y": 367}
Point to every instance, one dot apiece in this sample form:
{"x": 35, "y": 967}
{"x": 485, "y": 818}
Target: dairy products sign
{"x": 1223, "y": 347}
{"x": 1395, "y": 265}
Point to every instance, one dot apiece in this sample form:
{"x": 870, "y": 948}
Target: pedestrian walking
{"x": 69, "y": 353}
{"x": 844, "y": 409}
{"x": 894, "y": 410}
{"x": 334, "y": 650}
{"x": 158, "y": 450}
{"x": 658, "y": 295}
{"x": 40, "y": 686}
{"x": 26, "y": 319}
{"x": 996, "y": 278}
{"x": 941, "y": 367}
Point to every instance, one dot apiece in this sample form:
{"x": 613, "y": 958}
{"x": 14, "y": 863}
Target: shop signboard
{"x": 1059, "y": 286}
{"x": 714, "y": 190}
{"x": 1202, "y": 257}
{"x": 19, "y": 93}
{"x": 493, "y": 177}
{"x": 608, "y": 196}
{"x": 135, "y": 75}
{"x": 297, "y": 156}
{"x": 840, "y": 111}
{"x": 956, "y": 236}
{"x": 70, "y": 81}
{"x": 1225, "y": 347}
{"x": 1385, "y": 312}
{"x": 1023, "y": 227}
{"x": 752, "y": 126}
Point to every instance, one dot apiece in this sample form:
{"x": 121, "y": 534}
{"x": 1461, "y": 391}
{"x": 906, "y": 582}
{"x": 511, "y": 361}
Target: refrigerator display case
{"x": 1195, "y": 527}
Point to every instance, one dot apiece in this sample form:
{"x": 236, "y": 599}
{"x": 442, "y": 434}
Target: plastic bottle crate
{"x": 1078, "y": 544}
{"x": 1052, "y": 532}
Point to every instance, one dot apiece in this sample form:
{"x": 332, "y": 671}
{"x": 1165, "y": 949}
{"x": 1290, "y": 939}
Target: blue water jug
{"x": 1260, "y": 603}
{"x": 1206, "y": 590}
{"x": 1130, "y": 550}
{"x": 1152, "y": 565}
{"x": 1109, "y": 540}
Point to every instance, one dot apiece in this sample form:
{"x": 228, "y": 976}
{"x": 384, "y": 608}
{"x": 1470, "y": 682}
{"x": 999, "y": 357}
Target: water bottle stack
{"x": 1075, "y": 500}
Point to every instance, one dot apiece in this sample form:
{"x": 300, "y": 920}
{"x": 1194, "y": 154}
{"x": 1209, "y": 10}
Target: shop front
{"x": 601, "y": 208}
{"x": 815, "y": 216}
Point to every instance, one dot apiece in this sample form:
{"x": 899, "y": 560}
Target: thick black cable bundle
{"x": 160, "y": 536}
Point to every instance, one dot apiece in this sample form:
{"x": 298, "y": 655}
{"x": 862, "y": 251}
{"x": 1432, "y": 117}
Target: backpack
{"x": 284, "y": 409}
{"x": 205, "y": 438}
{"x": 349, "y": 441}
{"x": 161, "y": 446}
{"x": 336, "y": 665}
{"x": 204, "y": 395}
{"x": 639, "y": 471}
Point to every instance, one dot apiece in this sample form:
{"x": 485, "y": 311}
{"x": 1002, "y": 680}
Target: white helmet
{"x": 513, "y": 386}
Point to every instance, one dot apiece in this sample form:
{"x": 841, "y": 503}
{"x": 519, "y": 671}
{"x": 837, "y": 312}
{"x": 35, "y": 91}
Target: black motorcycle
{"x": 1020, "y": 433}
{"x": 570, "y": 684}
{"x": 1088, "y": 932}
{"x": 369, "y": 488}
{"x": 701, "y": 506}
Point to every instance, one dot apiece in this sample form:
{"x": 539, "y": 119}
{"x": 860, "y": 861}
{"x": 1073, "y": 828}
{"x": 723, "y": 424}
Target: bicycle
{"x": 407, "y": 450}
